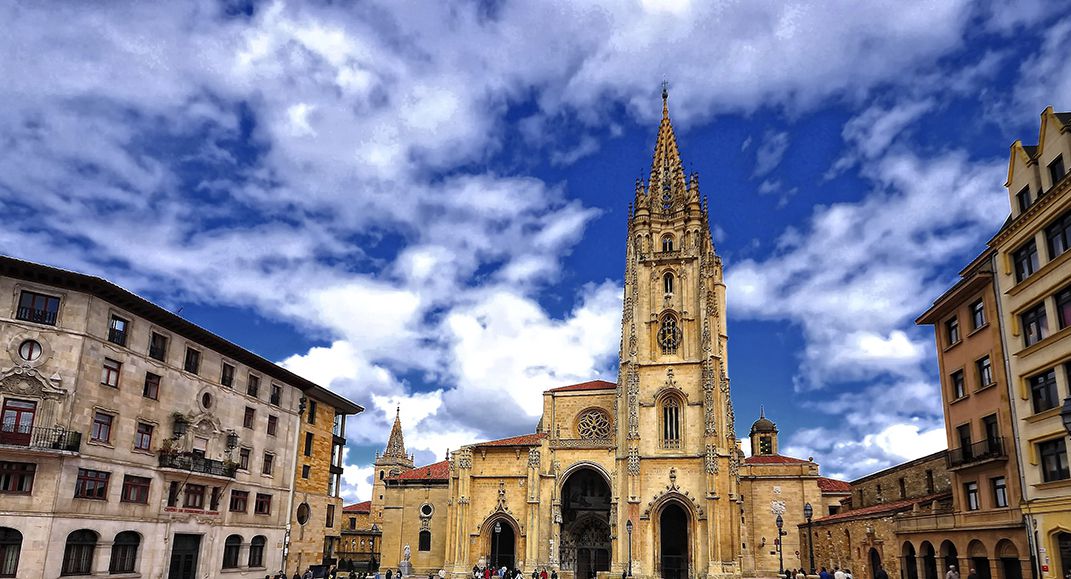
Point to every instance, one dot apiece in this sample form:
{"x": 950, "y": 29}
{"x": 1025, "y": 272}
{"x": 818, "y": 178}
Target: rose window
{"x": 594, "y": 424}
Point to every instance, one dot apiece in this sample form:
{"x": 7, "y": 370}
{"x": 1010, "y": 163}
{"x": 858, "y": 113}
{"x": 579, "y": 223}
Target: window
{"x": 78, "y": 553}
{"x": 977, "y": 314}
{"x": 16, "y": 478}
{"x": 903, "y": 488}
{"x": 963, "y": 434}
{"x": 992, "y": 430}
{"x": 1058, "y": 235}
{"x": 667, "y": 283}
{"x": 1022, "y": 199}
{"x": 952, "y": 331}
{"x": 226, "y": 375}
{"x": 671, "y": 423}
{"x": 109, "y": 374}
{"x": 250, "y": 416}
{"x": 37, "y": 308}
{"x": 303, "y": 513}
{"x": 1063, "y": 308}
{"x": 985, "y": 372}
{"x": 312, "y": 412}
{"x": 1043, "y": 391}
{"x": 135, "y": 489}
{"x": 143, "y": 436}
{"x": 252, "y": 387}
{"x": 213, "y": 501}
{"x": 243, "y": 458}
{"x": 1056, "y": 170}
{"x": 1053, "y": 455}
{"x": 330, "y": 516}
{"x": 256, "y": 551}
{"x": 269, "y": 461}
{"x": 10, "y": 546}
{"x": 276, "y": 394}
{"x": 91, "y": 484}
{"x": 970, "y": 495}
{"x": 239, "y": 501}
{"x": 1000, "y": 492}
{"x": 667, "y": 243}
{"x": 117, "y": 330}
{"x": 173, "y": 494}
{"x": 195, "y": 496}
{"x": 151, "y": 389}
{"x": 929, "y": 482}
{"x": 308, "y": 444}
{"x": 193, "y": 360}
{"x": 424, "y": 542}
{"x": 230, "y": 551}
{"x": 273, "y": 425}
{"x": 669, "y": 335}
{"x": 958, "y": 388}
{"x": 102, "y": 427}
{"x": 1026, "y": 260}
{"x": 158, "y": 346}
{"x": 765, "y": 445}
{"x": 262, "y": 506}
{"x": 1035, "y": 324}
{"x": 305, "y": 470}
{"x": 124, "y": 552}
{"x": 30, "y": 350}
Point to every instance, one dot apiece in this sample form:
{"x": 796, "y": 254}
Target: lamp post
{"x": 808, "y": 512}
{"x": 780, "y": 554}
{"x": 498, "y": 531}
{"x": 628, "y": 527}
{"x": 374, "y": 563}
{"x": 1065, "y": 414}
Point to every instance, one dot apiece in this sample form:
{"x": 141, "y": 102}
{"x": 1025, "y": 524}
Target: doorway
{"x": 17, "y": 425}
{"x": 503, "y": 545}
{"x": 875, "y": 563}
{"x": 184, "y": 551}
{"x": 585, "y": 527}
{"x": 1063, "y": 547}
{"x": 673, "y": 534}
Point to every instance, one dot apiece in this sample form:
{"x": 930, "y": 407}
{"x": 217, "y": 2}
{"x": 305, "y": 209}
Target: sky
{"x": 424, "y": 203}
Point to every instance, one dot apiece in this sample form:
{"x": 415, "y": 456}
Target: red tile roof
{"x": 365, "y": 507}
{"x": 522, "y": 440}
{"x": 591, "y": 385}
{"x": 773, "y": 459}
{"x": 832, "y": 485}
{"x": 439, "y": 471}
{"x": 880, "y": 509}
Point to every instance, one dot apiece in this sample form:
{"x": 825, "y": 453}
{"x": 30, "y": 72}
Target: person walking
{"x": 972, "y": 575}
{"x": 543, "y": 573}
{"x": 952, "y": 573}
{"x": 823, "y": 574}
{"x": 881, "y": 574}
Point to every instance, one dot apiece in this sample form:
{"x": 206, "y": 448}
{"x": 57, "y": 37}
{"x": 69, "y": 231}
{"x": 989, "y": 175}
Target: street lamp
{"x": 374, "y": 563}
{"x": 498, "y": 531}
{"x": 780, "y": 555}
{"x": 1065, "y": 414}
{"x": 808, "y": 512}
{"x": 628, "y": 527}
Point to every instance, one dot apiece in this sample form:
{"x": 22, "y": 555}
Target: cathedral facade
{"x": 640, "y": 477}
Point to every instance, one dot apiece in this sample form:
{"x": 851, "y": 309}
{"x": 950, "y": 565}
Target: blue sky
{"x": 424, "y": 203}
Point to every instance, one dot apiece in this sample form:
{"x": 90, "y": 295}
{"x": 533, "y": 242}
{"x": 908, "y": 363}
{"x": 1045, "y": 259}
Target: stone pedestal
{"x": 405, "y": 569}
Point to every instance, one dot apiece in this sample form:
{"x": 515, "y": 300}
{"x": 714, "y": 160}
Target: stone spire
{"x": 396, "y": 443}
{"x": 667, "y": 188}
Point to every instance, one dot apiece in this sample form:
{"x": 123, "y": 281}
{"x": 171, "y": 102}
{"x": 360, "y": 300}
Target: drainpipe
{"x": 1028, "y": 521}
{"x": 293, "y": 490}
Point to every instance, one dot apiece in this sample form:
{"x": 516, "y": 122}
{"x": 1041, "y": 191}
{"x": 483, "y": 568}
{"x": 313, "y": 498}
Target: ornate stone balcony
{"x": 197, "y": 464}
{"x": 42, "y": 439}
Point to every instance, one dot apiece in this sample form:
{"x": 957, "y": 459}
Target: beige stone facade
{"x": 134, "y": 442}
{"x": 1032, "y": 271}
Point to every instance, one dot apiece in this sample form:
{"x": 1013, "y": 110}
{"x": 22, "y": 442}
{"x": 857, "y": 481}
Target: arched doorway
{"x": 1010, "y": 566}
{"x": 929, "y": 560}
{"x": 979, "y": 559}
{"x": 673, "y": 541}
{"x": 1063, "y": 547}
{"x": 503, "y": 544}
{"x": 585, "y": 524}
{"x": 875, "y": 562}
{"x": 910, "y": 566}
{"x": 950, "y": 557}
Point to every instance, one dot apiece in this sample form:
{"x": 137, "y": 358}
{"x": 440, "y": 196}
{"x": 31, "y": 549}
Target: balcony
{"x": 36, "y": 316}
{"x": 38, "y": 438}
{"x": 977, "y": 453}
{"x": 197, "y": 464}
{"x": 117, "y": 336}
{"x": 157, "y": 352}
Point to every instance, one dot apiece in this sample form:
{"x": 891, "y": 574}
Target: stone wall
{"x": 884, "y": 486}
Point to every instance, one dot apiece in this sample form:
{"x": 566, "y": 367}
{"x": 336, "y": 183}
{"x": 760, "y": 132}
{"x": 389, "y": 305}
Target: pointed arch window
{"x": 667, "y": 283}
{"x": 669, "y": 335}
{"x": 671, "y": 422}
{"x": 667, "y": 243}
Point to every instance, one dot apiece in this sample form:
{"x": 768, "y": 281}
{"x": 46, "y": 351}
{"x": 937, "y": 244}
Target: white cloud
{"x": 770, "y": 152}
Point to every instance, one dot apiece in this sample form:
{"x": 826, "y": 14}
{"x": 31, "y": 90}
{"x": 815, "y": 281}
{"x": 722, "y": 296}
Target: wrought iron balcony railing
{"x": 41, "y": 438}
{"x": 37, "y": 316}
{"x": 989, "y": 449}
{"x": 197, "y": 463}
{"x": 117, "y": 336}
{"x": 157, "y": 352}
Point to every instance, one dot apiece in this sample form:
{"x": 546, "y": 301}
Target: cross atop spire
{"x": 667, "y": 188}
{"x": 396, "y": 443}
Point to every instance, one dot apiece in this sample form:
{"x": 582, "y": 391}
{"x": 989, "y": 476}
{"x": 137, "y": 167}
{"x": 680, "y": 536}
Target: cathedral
{"x": 644, "y": 477}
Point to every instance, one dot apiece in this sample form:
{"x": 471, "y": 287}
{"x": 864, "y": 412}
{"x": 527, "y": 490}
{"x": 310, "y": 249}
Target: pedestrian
{"x": 837, "y": 573}
{"x": 296, "y": 575}
{"x": 952, "y": 573}
{"x": 881, "y": 574}
{"x": 553, "y": 574}
{"x": 543, "y": 574}
{"x": 972, "y": 575}
{"x": 487, "y": 572}
{"x": 823, "y": 574}
{"x": 535, "y": 573}
{"x": 389, "y": 573}
{"x": 848, "y": 574}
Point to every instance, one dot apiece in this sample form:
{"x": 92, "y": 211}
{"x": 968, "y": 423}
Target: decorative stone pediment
{"x": 673, "y": 492}
{"x": 26, "y": 381}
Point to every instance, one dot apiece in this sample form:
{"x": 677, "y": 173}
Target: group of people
{"x": 824, "y": 573}
{"x": 507, "y": 573}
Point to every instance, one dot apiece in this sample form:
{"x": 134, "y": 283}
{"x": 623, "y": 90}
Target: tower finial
{"x": 398, "y": 411}
{"x": 762, "y": 411}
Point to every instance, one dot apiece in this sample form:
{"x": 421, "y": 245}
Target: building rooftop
{"x": 523, "y": 440}
{"x": 590, "y": 385}
{"x": 358, "y": 508}
{"x": 439, "y": 471}
{"x": 881, "y": 509}
{"x": 773, "y": 459}
{"x": 833, "y": 486}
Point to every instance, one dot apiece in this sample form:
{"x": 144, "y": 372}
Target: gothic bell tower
{"x": 676, "y": 444}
